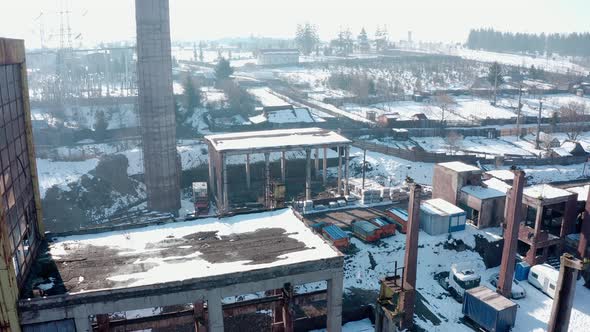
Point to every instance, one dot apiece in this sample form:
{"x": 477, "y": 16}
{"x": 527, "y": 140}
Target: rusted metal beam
{"x": 564, "y": 293}
{"x": 513, "y": 219}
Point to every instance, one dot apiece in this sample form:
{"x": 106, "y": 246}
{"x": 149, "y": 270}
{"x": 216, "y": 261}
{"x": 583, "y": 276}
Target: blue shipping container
{"x": 521, "y": 271}
{"x": 489, "y": 310}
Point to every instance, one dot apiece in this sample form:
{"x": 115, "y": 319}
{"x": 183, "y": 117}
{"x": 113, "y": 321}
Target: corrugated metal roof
{"x": 380, "y": 222}
{"x": 335, "y": 232}
{"x": 493, "y": 299}
{"x": 366, "y": 226}
{"x": 402, "y": 213}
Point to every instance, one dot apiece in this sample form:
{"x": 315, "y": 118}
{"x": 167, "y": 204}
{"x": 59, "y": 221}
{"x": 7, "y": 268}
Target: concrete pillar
{"x": 248, "y": 183}
{"x": 334, "y": 319}
{"x": 585, "y": 233}
{"x": 219, "y": 176}
{"x": 215, "y": 311}
{"x": 307, "y": 174}
{"x": 317, "y": 163}
{"x": 538, "y": 222}
{"x": 325, "y": 166}
{"x": 225, "y": 193}
{"x": 283, "y": 166}
{"x": 267, "y": 179}
{"x": 211, "y": 173}
{"x": 156, "y": 105}
{"x": 102, "y": 323}
{"x": 570, "y": 215}
{"x": 411, "y": 256}
{"x": 347, "y": 159}
{"x": 82, "y": 324}
{"x": 339, "y": 186}
{"x": 513, "y": 219}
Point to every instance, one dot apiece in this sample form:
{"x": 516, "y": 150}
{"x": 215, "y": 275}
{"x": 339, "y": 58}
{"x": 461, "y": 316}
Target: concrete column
{"x": 283, "y": 166}
{"x": 215, "y": 311}
{"x": 82, "y": 324}
{"x": 585, "y": 233}
{"x": 570, "y": 215}
{"x": 225, "y": 194}
{"x": 267, "y": 179}
{"x": 538, "y": 222}
{"x": 325, "y": 166}
{"x": 334, "y": 319}
{"x": 248, "y": 183}
{"x": 102, "y": 323}
{"x": 347, "y": 159}
{"x": 513, "y": 218}
{"x": 339, "y": 186}
{"x": 211, "y": 173}
{"x": 219, "y": 176}
{"x": 317, "y": 163}
{"x": 307, "y": 174}
{"x": 411, "y": 256}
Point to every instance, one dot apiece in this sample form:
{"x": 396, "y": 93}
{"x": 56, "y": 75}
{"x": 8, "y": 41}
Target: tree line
{"x": 573, "y": 44}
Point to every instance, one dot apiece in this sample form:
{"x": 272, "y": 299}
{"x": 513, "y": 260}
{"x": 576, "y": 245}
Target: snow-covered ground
{"x": 357, "y": 326}
{"x": 60, "y": 173}
{"x": 364, "y": 269}
{"x": 84, "y": 117}
{"x": 268, "y": 98}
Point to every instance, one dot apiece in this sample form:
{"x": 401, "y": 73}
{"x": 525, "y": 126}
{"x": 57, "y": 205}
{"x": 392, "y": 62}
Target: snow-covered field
{"x": 84, "y": 117}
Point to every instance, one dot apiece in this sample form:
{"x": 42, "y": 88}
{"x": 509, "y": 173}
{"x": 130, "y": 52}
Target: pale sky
{"x": 429, "y": 20}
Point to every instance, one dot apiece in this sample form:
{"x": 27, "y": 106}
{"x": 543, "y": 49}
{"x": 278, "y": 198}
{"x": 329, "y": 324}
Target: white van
{"x": 544, "y": 277}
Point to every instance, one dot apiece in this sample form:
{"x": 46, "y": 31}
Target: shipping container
{"x": 366, "y": 231}
{"x": 337, "y": 236}
{"x": 387, "y": 229}
{"x": 438, "y": 216}
{"x": 488, "y": 309}
{"x": 400, "y": 217}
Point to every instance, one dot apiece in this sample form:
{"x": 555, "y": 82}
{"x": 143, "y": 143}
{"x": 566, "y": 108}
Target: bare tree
{"x": 445, "y": 103}
{"x": 572, "y": 117}
{"x": 453, "y": 140}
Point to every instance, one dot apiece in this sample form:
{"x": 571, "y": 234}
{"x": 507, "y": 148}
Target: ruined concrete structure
{"x": 21, "y": 230}
{"x": 266, "y": 142}
{"x": 156, "y": 105}
{"x": 449, "y": 178}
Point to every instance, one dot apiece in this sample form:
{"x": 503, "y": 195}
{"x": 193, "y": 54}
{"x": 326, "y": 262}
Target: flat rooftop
{"x": 184, "y": 251}
{"x": 545, "y": 191}
{"x": 459, "y": 167}
{"x": 483, "y": 192}
{"x": 502, "y": 174}
{"x": 275, "y": 140}
{"x": 440, "y": 207}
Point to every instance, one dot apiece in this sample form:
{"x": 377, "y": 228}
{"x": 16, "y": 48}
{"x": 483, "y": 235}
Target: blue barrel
{"x": 521, "y": 272}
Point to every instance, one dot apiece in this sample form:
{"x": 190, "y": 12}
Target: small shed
{"x": 438, "y": 216}
{"x": 337, "y": 236}
{"x": 400, "y": 217}
{"x": 366, "y": 231}
{"x": 387, "y": 228}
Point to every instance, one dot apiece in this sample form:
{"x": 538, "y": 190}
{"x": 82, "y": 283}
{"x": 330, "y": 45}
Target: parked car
{"x": 544, "y": 277}
{"x": 517, "y": 292}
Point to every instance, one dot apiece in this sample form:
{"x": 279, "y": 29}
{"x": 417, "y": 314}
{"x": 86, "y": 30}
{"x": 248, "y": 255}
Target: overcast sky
{"x": 429, "y": 20}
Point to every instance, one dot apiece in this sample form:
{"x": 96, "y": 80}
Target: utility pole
{"x": 518, "y": 113}
{"x": 364, "y": 166}
{"x": 537, "y": 143}
{"x": 495, "y": 86}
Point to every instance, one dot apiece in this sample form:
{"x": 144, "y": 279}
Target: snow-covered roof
{"x": 582, "y": 192}
{"x": 491, "y": 298}
{"x": 561, "y": 152}
{"x": 276, "y": 139}
{"x": 459, "y": 167}
{"x": 502, "y": 174}
{"x": 482, "y": 192}
{"x": 440, "y": 207}
{"x": 497, "y": 184}
{"x": 186, "y": 250}
{"x": 545, "y": 191}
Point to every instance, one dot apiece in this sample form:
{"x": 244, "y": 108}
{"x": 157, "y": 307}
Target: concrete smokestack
{"x": 156, "y": 105}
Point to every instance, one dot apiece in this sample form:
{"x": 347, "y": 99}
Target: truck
{"x": 489, "y": 310}
{"x": 462, "y": 277}
{"x": 200, "y": 197}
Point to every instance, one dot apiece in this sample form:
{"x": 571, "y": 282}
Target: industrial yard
{"x": 209, "y": 174}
